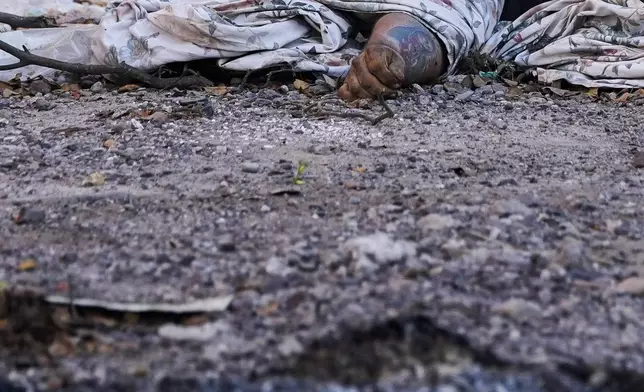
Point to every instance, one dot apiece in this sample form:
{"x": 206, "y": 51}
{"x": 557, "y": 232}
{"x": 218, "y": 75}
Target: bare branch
{"x": 25, "y": 58}
{"x": 27, "y": 22}
{"x": 316, "y": 108}
{"x": 388, "y": 112}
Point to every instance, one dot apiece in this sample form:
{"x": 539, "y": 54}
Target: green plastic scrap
{"x": 489, "y": 75}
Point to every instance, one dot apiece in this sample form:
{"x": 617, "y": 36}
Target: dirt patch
{"x": 507, "y": 221}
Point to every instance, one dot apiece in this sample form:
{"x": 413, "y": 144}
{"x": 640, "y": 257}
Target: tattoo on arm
{"x": 421, "y": 51}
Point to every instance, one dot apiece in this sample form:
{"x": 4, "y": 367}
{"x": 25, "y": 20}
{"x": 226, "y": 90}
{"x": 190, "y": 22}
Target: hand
{"x": 377, "y": 70}
{"x": 401, "y": 51}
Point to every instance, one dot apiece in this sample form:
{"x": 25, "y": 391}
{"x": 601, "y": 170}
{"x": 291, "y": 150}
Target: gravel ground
{"x": 474, "y": 243}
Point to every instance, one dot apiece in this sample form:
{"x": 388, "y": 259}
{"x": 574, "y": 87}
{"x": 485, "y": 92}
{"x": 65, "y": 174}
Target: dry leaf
{"x": 623, "y": 98}
{"x": 94, "y": 179}
{"x": 61, "y": 347}
{"x": 109, "y": 143}
{"x": 361, "y": 169}
{"x": 128, "y": 87}
{"x": 140, "y": 370}
{"x": 300, "y": 85}
{"x": 69, "y": 87}
{"x": 145, "y": 114}
{"x": 216, "y": 90}
{"x": 105, "y": 321}
{"x": 195, "y": 320}
{"x": 350, "y": 185}
{"x": 269, "y": 309}
{"x": 27, "y": 265}
{"x": 5, "y": 85}
{"x": 593, "y": 92}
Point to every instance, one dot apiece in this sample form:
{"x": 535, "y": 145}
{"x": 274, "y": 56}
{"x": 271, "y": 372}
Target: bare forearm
{"x": 421, "y": 52}
{"x": 401, "y": 51}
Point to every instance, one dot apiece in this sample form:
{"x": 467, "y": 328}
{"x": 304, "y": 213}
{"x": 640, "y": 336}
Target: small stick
{"x": 270, "y": 74}
{"x": 388, "y": 112}
{"x": 244, "y": 80}
{"x": 322, "y": 112}
{"x": 27, "y": 58}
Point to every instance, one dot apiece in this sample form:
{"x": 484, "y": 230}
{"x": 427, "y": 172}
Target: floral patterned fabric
{"x": 593, "y": 43}
{"x": 63, "y": 11}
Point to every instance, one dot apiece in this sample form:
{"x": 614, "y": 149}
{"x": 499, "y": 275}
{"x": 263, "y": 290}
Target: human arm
{"x": 401, "y": 51}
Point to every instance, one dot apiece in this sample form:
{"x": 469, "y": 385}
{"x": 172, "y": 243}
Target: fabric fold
{"x": 595, "y": 43}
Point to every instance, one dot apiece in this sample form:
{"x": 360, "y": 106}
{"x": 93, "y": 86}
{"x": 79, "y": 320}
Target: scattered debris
{"x": 28, "y": 215}
{"x": 27, "y": 264}
{"x": 633, "y": 285}
{"x": 436, "y": 222}
{"x": 317, "y": 109}
{"x": 209, "y": 305}
{"x": 373, "y": 251}
{"x": 158, "y": 118}
{"x": 109, "y": 143}
{"x": 94, "y": 179}
{"x": 277, "y": 266}
{"x": 300, "y": 85}
{"x": 290, "y": 346}
{"x": 195, "y": 333}
{"x": 250, "y": 167}
{"x": 519, "y": 309}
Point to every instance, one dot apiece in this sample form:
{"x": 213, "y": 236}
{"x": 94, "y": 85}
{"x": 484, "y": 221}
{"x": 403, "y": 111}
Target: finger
{"x": 356, "y": 89}
{"x": 345, "y": 93}
{"x": 385, "y": 65}
{"x": 368, "y": 82}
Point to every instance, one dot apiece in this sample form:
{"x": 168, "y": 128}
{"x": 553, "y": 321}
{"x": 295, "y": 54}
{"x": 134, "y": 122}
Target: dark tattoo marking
{"x": 421, "y": 51}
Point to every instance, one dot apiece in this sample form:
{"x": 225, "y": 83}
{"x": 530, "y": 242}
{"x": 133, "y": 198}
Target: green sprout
{"x": 301, "y": 167}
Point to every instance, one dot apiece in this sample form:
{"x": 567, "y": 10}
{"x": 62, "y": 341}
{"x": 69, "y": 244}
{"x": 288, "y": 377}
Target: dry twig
{"x": 317, "y": 109}
{"x": 269, "y": 76}
{"x": 26, "y": 58}
{"x": 388, "y": 112}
